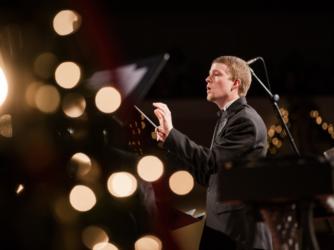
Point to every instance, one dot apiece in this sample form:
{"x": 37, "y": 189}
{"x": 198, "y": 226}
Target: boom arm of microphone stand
{"x": 275, "y": 99}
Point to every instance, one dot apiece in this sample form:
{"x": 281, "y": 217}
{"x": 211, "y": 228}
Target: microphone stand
{"x": 305, "y": 207}
{"x": 275, "y": 99}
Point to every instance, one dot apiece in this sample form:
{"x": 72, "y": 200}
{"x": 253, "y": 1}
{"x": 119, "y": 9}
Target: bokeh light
{"x": 82, "y": 198}
{"x": 19, "y": 189}
{"x": 30, "y": 93}
{"x": 81, "y": 163}
{"x": 181, "y": 182}
{"x": 47, "y": 98}
{"x": 3, "y": 87}
{"x": 66, "y": 22}
{"x": 148, "y": 242}
{"x": 108, "y": 99}
{"x": 324, "y": 125}
{"x": 314, "y": 113}
{"x": 6, "y": 127}
{"x": 105, "y": 246}
{"x": 74, "y": 105}
{"x": 274, "y": 141}
{"x": 67, "y": 75}
{"x": 93, "y": 235}
{"x": 150, "y": 168}
{"x": 122, "y": 184}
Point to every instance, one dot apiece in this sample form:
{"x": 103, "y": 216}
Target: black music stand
{"x": 284, "y": 189}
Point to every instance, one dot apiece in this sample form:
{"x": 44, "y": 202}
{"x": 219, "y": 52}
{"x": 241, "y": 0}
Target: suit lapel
{"x": 222, "y": 123}
{"x": 225, "y": 115}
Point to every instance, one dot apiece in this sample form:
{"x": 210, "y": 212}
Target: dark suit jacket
{"x": 244, "y": 136}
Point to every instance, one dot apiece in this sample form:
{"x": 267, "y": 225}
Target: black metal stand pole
{"x": 275, "y": 98}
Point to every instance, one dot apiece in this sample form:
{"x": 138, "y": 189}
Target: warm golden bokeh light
{"x": 3, "y": 87}
{"x": 66, "y": 22}
{"x": 150, "y": 168}
{"x": 122, "y": 184}
{"x": 314, "y": 113}
{"x": 93, "y": 235}
{"x": 68, "y": 75}
{"x": 274, "y": 141}
{"x": 19, "y": 189}
{"x": 271, "y": 131}
{"x": 181, "y": 182}
{"x": 82, "y": 198}
{"x": 279, "y": 144}
{"x": 74, "y": 105}
{"x": 105, "y": 246}
{"x": 30, "y": 94}
{"x": 318, "y": 120}
{"x": 44, "y": 65}
{"x": 108, "y": 99}
{"x": 324, "y": 126}
{"x": 148, "y": 242}
{"x": 47, "y": 98}
{"x": 6, "y": 127}
{"x": 81, "y": 163}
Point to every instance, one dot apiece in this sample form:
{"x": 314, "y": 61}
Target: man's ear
{"x": 236, "y": 84}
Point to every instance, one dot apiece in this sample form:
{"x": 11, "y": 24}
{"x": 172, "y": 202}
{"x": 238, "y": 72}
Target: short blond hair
{"x": 238, "y": 69}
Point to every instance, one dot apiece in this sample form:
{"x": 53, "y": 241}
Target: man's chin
{"x": 209, "y": 98}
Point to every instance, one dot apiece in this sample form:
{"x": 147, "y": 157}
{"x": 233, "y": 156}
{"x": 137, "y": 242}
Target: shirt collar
{"x": 229, "y": 104}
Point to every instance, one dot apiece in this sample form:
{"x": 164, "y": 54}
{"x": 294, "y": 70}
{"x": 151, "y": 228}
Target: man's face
{"x": 220, "y": 88}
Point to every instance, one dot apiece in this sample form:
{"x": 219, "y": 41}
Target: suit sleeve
{"x": 237, "y": 139}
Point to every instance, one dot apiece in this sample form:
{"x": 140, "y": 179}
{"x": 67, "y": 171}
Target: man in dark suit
{"x": 240, "y": 134}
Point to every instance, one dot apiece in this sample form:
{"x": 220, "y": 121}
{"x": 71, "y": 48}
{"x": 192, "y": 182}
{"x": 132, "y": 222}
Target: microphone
{"x": 253, "y": 60}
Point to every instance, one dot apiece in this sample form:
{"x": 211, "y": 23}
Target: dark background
{"x": 296, "y": 41}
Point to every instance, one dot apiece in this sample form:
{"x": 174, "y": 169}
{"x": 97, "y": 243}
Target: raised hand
{"x": 164, "y": 116}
